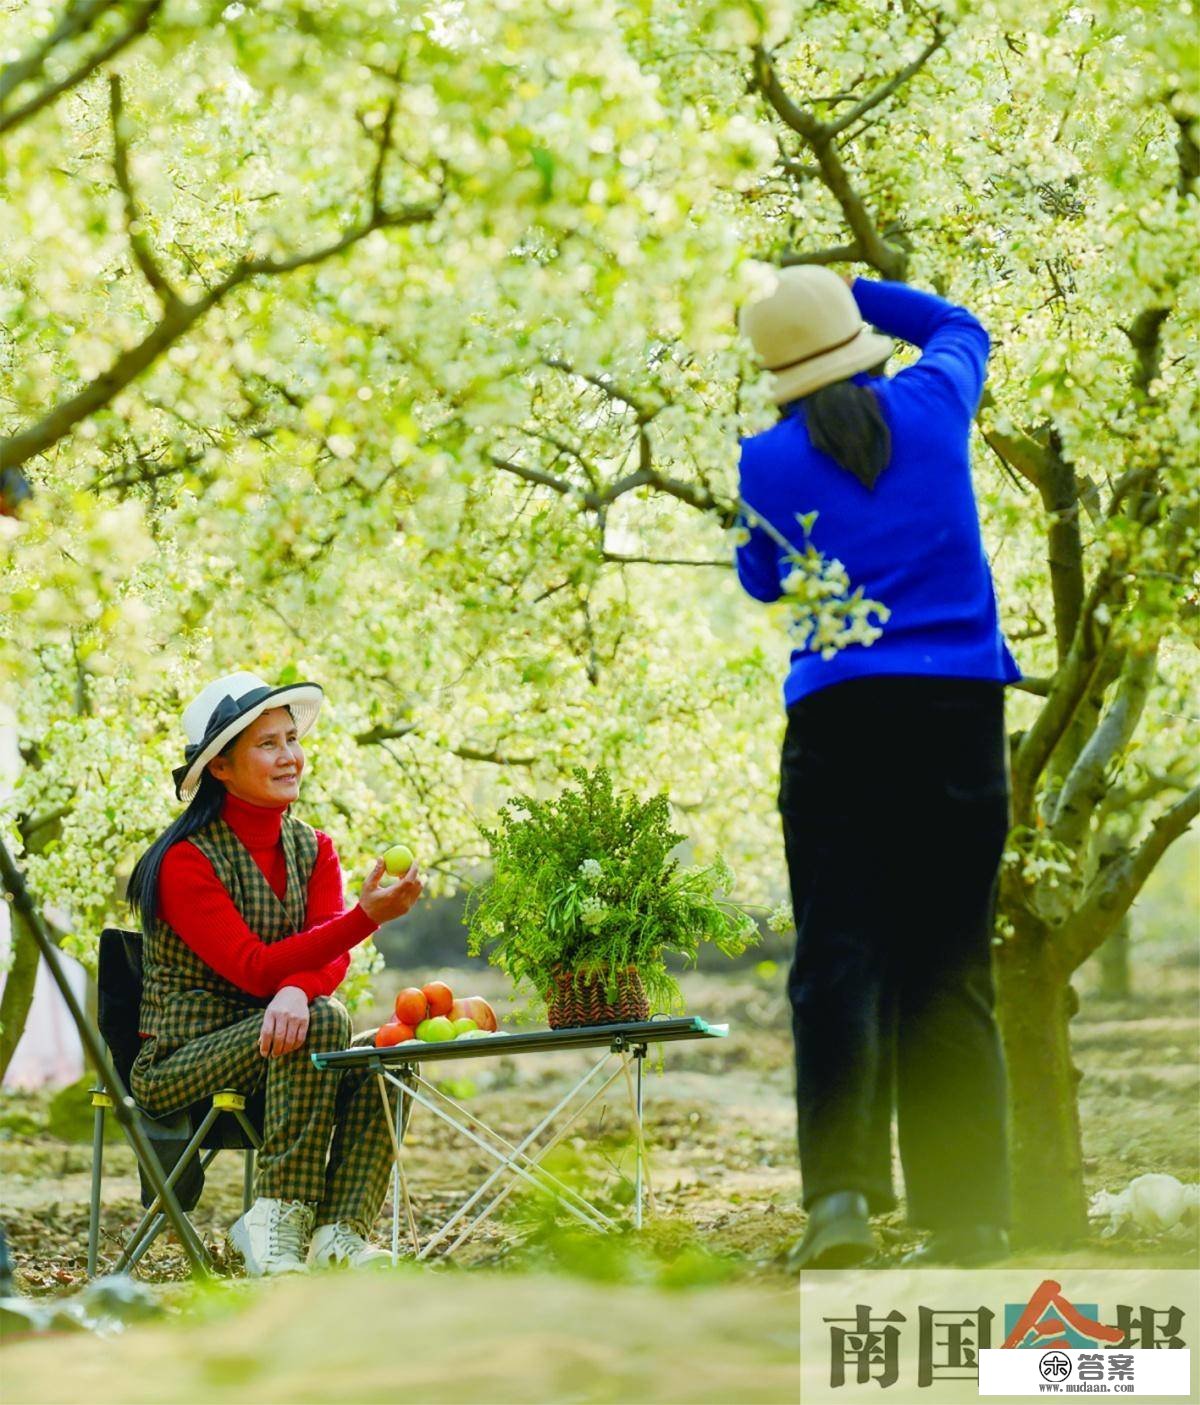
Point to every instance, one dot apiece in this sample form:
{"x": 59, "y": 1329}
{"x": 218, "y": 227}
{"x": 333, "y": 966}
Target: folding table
{"x": 400, "y": 1066}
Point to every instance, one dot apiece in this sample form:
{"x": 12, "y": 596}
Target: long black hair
{"x": 205, "y": 806}
{"x": 845, "y": 422}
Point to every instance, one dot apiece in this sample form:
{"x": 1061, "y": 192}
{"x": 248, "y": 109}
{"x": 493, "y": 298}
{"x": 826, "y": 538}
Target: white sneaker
{"x": 271, "y": 1236}
{"x": 340, "y": 1246}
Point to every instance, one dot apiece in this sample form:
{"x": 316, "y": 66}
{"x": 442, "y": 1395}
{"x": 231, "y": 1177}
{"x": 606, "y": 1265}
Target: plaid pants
{"x": 325, "y": 1139}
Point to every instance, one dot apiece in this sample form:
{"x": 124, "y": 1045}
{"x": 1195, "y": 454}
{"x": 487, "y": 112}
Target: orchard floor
{"x": 721, "y": 1123}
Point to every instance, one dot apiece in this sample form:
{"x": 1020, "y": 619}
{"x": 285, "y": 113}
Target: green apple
{"x": 398, "y": 859}
{"x": 463, "y": 1026}
{"x": 435, "y": 1031}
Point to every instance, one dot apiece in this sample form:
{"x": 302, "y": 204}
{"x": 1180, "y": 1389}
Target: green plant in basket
{"x": 585, "y": 900}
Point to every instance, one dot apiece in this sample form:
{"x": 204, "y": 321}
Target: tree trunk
{"x": 18, "y": 989}
{"x": 1115, "y": 983}
{"x": 1035, "y": 1003}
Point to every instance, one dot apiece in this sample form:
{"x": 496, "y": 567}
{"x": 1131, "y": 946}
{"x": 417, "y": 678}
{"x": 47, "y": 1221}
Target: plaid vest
{"x": 182, "y": 997}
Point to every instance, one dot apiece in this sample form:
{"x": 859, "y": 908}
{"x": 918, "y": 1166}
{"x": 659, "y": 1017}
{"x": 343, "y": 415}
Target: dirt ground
{"x": 555, "y": 1314}
{"x": 720, "y": 1123}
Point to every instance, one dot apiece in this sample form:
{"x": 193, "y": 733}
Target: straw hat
{"x": 808, "y": 332}
{"x": 216, "y": 715}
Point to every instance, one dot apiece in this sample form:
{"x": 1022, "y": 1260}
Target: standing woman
{"x": 246, "y": 937}
{"x": 894, "y": 775}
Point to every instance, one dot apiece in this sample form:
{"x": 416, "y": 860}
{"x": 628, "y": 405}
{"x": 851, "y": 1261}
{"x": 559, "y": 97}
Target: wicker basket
{"x": 581, "y": 998}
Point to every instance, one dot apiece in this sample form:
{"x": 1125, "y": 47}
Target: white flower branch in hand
{"x": 383, "y": 902}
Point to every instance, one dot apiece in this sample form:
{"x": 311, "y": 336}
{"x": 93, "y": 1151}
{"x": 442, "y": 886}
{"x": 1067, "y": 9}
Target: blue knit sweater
{"x": 913, "y": 543}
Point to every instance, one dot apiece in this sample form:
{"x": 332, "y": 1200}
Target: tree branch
{"x": 884, "y": 92}
{"x": 1064, "y": 544}
{"x": 1082, "y": 726}
{"x": 642, "y": 477}
{"x": 1069, "y": 686}
{"x": 1139, "y": 482}
{"x": 1187, "y": 148}
{"x": 888, "y": 259}
{"x": 78, "y": 18}
{"x": 381, "y": 735}
{"x": 617, "y": 559}
{"x": 385, "y": 143}
{"x": 1145, "y": 336}
{"x": 566, "y": 447}
{"x": 493, "y": 758}
{"x": 590, "y": 499}
{"x": 699, "y": 498}
{"x": 1084, "y": 787}
{"x": 1125, "y": 798}
{"x": 139, "y": 22}
{"x": 605, "y": 383}
{"x": 800, "y": 170}
{"x": 841, "y": 253}
{"x": 1109, "y": 898}
{"x": 374, "y": 735}
{"x": 139, "y": 244}
{"x": 1025, "y": 453}
{"x": 180, "y": 316}
{"x": 798, "y": 118}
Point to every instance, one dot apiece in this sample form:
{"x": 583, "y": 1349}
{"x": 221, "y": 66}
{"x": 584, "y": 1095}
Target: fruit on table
{"x": 394, "y": 1032}
{"x": 412, "y": 1006}
{"x": 436, "y": 1030}
{"x": 475, "y": 1007}
{"x": 463, "y": 1026}
{"x": 398, "y": 859}
{"x": 440, "y": 997}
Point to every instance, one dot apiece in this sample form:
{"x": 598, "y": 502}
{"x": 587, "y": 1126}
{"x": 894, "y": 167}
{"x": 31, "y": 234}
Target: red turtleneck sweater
{"x": 194, "y": 903}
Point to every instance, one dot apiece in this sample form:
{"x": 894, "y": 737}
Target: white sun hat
{"x": 228, "y": 706}
{"x": 808, "y": 332}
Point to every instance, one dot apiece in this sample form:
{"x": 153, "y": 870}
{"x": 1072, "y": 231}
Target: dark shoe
{"x": 962, "y": 1248}
{"x": 838, "y": 1234}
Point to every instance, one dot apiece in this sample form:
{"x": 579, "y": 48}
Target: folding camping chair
{"x": 185, "y": 1142}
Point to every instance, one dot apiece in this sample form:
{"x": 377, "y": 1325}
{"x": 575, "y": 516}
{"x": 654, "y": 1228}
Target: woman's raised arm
{"x": 954, "y": 343}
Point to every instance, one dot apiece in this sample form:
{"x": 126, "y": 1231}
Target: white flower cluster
{"x": 747, "y": 927}
{"x": 781, "y": 918}
{"x": 827, "y": 615}
{"x": 723, "y": 875}
{"x": 592, "y": 910}
{"x": 590, "y": 871}
{"x": 1038, "y": 859}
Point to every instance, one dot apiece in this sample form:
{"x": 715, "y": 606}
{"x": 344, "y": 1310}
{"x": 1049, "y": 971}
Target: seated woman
{"x": 246, "y": 937}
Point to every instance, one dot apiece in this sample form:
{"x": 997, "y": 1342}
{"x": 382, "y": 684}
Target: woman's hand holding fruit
{"x": 383, "y": 902}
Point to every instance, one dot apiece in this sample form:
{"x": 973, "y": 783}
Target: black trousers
{"x": 895, "y": 806}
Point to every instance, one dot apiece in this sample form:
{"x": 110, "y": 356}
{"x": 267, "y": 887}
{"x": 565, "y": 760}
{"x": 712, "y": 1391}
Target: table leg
{"x": 518, "y": 1152}
{"x": 642, "y": 1174}
{"x": 396, "y": 1197}
{"x": 640, "y": 1152}
{"x": 511, "y": 1166}
{"x": 399, "y": 1162}
{"x": 592, "y": 1217}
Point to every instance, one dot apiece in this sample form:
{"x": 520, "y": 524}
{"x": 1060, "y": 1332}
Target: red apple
{"x": 475, "y": 1007}
{"x": 440, "y": 998}
{"x": 411, "y": 1006}
{"x": 394, "y": 1032}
